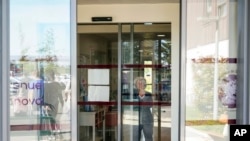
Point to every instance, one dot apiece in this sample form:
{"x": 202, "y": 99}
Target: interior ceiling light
{"x": 160, "y": 35}
{"x": 148, "y": 23}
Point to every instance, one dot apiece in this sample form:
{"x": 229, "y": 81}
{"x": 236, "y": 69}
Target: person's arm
{"x": 147, "y": 98}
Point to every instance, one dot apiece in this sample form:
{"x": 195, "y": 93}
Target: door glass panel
{"x": 211, "y": 75}
{"x": 40, "y": 70}
{"x": 98, "y": 79}
{"x": 146, "y": 81}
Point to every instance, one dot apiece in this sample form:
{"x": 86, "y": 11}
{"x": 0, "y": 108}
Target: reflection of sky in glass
{"x": 29, "y": 20}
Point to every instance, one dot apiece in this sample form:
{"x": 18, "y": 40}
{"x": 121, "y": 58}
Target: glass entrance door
{"x": 146, "y": 82}
{"x": 97, "y": 82}
{"x": 113, "y": 61}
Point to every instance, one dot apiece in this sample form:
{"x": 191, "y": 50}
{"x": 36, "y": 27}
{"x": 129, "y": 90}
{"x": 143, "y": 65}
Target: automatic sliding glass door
{"x": 146, "y": 82}
{"x": 97, "y": 81}
{"x": 104, "y": 98}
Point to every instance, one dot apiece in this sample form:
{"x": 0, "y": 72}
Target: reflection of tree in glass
{"x": 203, "y": 82}
{"x": 48, "y": 45}
{"x": 163, "y": 54}
{"x": 24, "y": 50}
{"x": 127, "y": 51}
{"x": 47, "y": 50}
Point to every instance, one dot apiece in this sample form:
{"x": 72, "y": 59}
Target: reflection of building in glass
{"x": 213, "y": 30}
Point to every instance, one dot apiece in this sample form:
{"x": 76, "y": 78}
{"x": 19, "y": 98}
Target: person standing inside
{"x": 145, "y": 112}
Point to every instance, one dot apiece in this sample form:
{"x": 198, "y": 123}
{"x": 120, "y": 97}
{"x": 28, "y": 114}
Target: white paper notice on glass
{"x": 98, "y": 93}
{"x": 98, "y": 76}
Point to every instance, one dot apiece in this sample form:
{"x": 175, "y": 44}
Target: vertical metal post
{"x": 182, "y": 78}
{"x": 243, "y": 98}
{"x": 131, "y": 91}
{"x": 73, "y": 62}
{"x": 4, "y": 71}
{"x": 1, "y": 74}
{"x": 247, "y": 39}
{"x": 160, "y": 85}
{"x": 119, "y": 102}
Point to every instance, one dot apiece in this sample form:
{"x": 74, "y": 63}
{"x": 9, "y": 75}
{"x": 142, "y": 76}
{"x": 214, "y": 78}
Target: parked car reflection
{"x": 14, "y": 86}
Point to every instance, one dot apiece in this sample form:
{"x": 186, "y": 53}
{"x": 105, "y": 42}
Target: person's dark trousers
{"x": 147, "y": 131}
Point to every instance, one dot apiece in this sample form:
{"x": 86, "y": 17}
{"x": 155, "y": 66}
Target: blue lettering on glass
{"x": 26, "y": 101}
{"x": 38, "y": 92}
{"x": 27, "y": 85}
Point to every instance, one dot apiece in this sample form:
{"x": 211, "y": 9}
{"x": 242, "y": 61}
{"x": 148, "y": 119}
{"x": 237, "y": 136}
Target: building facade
{"x": 127, "y": 70}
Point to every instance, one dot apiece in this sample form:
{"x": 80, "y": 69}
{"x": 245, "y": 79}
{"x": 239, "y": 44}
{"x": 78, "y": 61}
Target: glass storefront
{"x": 40, "y": 73}
{"x": 211, "y": 69}
{"x": 120, "y": 83}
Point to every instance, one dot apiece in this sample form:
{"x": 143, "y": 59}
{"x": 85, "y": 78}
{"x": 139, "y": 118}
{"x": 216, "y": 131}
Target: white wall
{"x": 132, "y": 13}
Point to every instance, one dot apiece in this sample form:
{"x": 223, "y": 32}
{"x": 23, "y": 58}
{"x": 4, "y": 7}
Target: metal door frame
{"x": 243, "y": 98}
{"x": 4, "y": 71}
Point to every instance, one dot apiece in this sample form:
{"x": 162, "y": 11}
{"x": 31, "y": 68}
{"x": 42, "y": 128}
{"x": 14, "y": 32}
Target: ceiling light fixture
{"x": 160, "y": 35}
{"x": 148, "y": 23}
